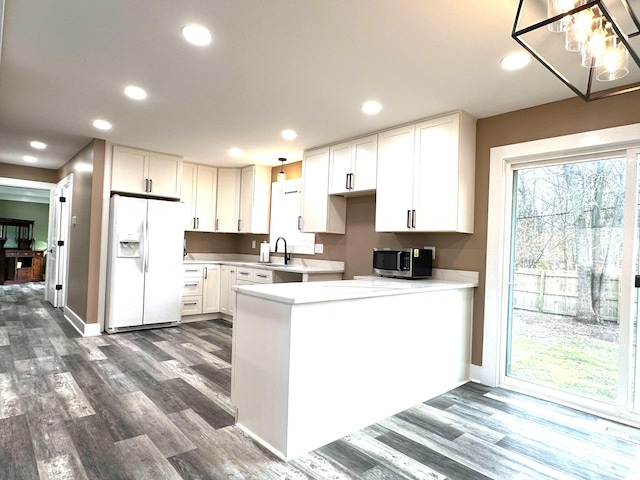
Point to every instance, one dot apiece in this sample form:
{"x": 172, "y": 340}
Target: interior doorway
{"x": 30, "y": 189}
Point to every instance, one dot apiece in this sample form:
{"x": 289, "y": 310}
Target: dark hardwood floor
{"x": 154, "y": 404}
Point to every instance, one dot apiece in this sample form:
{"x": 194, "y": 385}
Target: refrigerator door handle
{"x": 145, "y": 255}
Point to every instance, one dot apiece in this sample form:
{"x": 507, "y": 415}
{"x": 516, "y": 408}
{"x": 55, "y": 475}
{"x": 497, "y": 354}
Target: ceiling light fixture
{"x": 371, "y": 107}
{"x": 585, "y": 43}
{"x": 38, "y": 145}
{"x": 281, "y": 175}
{"x": 515, "y": 61}
{"x": 236, "y": 152}
{"x": 135, "y": 93}
{"x": 196, "y": 35}
{"x": 289, "y": 134}
{"x": 102, "y": 124}
{"x": 29, "y": 159}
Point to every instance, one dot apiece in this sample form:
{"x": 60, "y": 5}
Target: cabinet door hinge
{"x": 60, "y": 243}
{"x": 62, "y": 199}
{"x": 59, "y": 286}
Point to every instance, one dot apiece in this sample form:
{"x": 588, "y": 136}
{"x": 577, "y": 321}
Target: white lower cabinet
{"x": 211, "y": 289}
{"x": 200, "y": 289}
{"x": 227, "y": 295}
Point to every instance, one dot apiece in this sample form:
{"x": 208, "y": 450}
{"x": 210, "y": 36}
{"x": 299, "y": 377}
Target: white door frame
{"x": 502, "y": 160}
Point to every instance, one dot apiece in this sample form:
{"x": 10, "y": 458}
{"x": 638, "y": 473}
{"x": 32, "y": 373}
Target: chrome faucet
{"x": 287, "y": 257}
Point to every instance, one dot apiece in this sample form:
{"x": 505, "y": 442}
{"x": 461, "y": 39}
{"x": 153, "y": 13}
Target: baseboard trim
{"x": 475, "y": 373}
{"x": 84, "y": 329}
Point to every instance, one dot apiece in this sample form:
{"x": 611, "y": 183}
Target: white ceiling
{"x": 307, "y": 65}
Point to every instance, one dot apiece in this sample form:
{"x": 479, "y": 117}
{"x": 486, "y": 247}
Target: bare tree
{"x": 570, "y": 215}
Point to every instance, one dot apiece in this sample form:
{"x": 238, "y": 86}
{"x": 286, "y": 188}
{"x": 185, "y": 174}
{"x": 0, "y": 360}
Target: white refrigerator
{"x": 145, "y": 262}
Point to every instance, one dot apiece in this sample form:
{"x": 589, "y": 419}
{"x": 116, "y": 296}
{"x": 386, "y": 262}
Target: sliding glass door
{"x": 572, "y": 308}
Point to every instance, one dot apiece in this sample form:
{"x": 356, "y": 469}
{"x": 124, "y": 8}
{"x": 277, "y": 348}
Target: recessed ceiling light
{"x": 236, "y": 152}
{"x": 134, "y": 92}
{"x": 371, "y": 107}
{"x": 288, "y": 134}
{"x": 196, "y": 34}
{"x": 38, "y": 145}
{"x": 102, "y": 124}
{"x": 515, "y": 61}
{"x": 29, "y": 159}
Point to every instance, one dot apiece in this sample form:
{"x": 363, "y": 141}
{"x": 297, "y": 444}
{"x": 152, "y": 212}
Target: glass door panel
{"x": 567, "y": 251}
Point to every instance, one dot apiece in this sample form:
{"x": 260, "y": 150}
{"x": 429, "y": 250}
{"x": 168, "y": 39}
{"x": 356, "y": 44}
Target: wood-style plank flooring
{"x": 154, "y": 404}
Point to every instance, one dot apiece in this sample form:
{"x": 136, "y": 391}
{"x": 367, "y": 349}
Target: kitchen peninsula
{"x": 313, "y": 362}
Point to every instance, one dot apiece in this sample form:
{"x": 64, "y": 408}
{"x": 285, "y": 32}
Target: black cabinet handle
{"x": 413, "y": 219}
{"x": 408, "y": 218}
{"x": 206, "y": 272}
{"x": 150, "y": 185}
{"x": 146, "y": 185}
{"x": 300, "y": 222}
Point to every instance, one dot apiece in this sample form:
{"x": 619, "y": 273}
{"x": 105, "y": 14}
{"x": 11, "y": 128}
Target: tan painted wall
{"x": 468, "y": 252}
{"x": 28, "y": 173}
{"x": 87, "y": 167}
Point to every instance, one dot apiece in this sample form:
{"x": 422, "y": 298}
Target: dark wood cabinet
{"x": 20, "y": 266}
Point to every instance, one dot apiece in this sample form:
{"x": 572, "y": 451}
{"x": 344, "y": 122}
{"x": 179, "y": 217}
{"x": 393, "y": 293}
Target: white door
{"x": 572, "y": 326}
{"x": 163, "y": 262}
{"x": 59, "y": 221}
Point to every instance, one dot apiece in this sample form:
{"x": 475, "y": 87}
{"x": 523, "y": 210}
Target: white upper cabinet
{"x": 352, "y": 166}
{"x": 228, "y": 200}
{"x": 145, "y": 173}
{"x": 255, "y": 198}
{"x": 394, "y": 191}
{"x": 199, "y": 185}
{"x": 320, "y": 212}
{"x": 426, "y": 176}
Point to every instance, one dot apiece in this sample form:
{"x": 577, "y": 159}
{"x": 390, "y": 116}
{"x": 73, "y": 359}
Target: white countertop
{"x": 297, "y": 265}
{"x": 361, "y": 287}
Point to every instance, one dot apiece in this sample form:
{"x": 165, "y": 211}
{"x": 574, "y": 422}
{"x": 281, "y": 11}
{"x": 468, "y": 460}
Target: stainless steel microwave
{"x": 402, "y": 262}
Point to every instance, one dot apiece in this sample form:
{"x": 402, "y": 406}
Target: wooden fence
{"x": 556, "y": 292}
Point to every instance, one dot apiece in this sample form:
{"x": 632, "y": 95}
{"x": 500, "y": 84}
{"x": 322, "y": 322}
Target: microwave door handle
{"x": 399, "y": 261}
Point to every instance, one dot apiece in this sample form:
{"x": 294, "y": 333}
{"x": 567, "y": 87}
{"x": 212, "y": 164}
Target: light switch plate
{"x": 318, "y": 248}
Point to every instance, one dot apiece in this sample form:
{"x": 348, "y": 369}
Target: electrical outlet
{"x": 318, "y": 248}
{"x": 253, "y": 244}
{"x": 433, "y": 252}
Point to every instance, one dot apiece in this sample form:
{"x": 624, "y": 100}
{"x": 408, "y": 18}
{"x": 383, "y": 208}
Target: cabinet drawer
{"x": 263, "y": 276}
{"x": 192, "y": 286}
{"x": 192, "y": 271}
{"x": 191, "y": 305}
{"x": 245, "y": 273}
{"x": 25, "y": 254}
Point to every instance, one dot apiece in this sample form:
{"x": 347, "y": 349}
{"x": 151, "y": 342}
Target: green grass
{"x": 577, "y": 364}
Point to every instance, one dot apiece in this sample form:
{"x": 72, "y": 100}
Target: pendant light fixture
{"x": 281, "y": 175}
{"x": 587, "y": 44}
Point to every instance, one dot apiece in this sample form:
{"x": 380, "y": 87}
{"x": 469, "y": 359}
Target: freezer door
{"x": 163, "y": 264}
{"x": 125, "y": 282}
